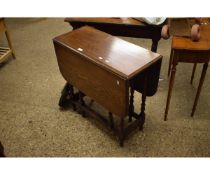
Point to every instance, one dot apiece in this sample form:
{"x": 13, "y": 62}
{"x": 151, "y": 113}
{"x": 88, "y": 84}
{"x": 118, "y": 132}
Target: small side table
{"x": 5, "y": 52}
{"x": 185, "y": 50}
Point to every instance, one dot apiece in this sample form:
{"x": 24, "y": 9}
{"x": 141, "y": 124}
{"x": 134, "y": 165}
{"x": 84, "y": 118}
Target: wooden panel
{"x": 104, "y": 87}
{"x": 121, "y": 57}
{"x": 192, "y": 56}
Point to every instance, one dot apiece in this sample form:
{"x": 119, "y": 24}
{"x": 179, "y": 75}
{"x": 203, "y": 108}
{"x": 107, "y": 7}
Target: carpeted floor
{"x": 32, "y": 125}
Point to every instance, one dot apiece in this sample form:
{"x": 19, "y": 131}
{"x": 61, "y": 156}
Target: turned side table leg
{"x": 170, "y": 62}
{"x": 171, "y": 83}
{"x": 193, "y": 73}
{"x": 205, "y": 66}
{"x": 143, "y": 104}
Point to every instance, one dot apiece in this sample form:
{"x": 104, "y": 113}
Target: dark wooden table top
{"x": 185, "y": 43}
{"x": 118, "y": 56}
{"x": 125, "y": 21}
{"x": 128, "y": 27}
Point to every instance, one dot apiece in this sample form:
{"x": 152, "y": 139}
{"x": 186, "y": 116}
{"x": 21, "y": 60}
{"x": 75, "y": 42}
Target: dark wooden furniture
{"x": 128, "y": 27}
{"x": 185, "y": 50}
{"x": 1, "y": 150}
{"x": 103, "y": 67}
{"x": 5, "y": 52}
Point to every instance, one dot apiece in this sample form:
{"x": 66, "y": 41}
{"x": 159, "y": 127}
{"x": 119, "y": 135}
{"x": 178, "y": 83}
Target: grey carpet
{"x": 31, "y": 123}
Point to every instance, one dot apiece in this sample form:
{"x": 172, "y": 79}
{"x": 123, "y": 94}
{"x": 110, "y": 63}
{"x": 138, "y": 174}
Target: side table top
{"x": 112, "y": 53}
{"x": 185, "y": 43}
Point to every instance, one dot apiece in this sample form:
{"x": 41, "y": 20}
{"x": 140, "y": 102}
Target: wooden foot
{"x": 171, "y": 83}
{"x": 205, "y": 66}
{"x": 193, "y": 73}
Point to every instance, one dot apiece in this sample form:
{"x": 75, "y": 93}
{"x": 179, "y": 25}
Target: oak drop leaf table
{"x": 105, "y": 68}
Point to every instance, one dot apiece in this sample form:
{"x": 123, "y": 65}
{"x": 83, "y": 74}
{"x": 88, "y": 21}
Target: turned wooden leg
{"x": 205, "y": 66}
{"x": 171, "y": 83}
{"x": 154, "y": 45}
{"x": 121, "y": 134}
{"x": 111, "y": 120}
{"x": 131, "y": 106}
{"x": 143, "y": 104}
{"x": 193, "y": 72}
{"x": 170, "y": 62}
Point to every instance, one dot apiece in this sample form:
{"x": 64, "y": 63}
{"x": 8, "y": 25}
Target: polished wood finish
{"x": 185, "y": 43}
{"x": 5, "y": 52}
{"x": 128, "y": 27}
{"x": 185, "y": 50}
{"x": 83, "y": 75}
{"x": 102, "y": 67}
{"x": 108, "y": 51}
